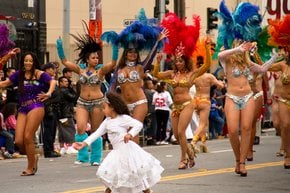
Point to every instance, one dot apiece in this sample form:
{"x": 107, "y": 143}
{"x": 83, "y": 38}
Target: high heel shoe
{"x": 237, "y": 169}
{"x": 243, "y": 173}
{"x": 183, "y": 164}
{"x": 287, "y": 163}
{"x": 250, "y": 156}
{"x": 191, "y": 155}
{"x": 280, "y": 153}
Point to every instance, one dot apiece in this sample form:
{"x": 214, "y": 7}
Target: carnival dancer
{"x": 89, "y": 103}
{"x": 279, "y": 32}
{"x": 202, "y": 100}
{"x": 127, "y": 168}
{"x": 258, "y": 54}
{"x": 142, "y": 35}
{"x": 239, "y": 105}
{"x": 182, "y": 41}
{"x": 32, "y": 88}
{"x": 275, "y": 110}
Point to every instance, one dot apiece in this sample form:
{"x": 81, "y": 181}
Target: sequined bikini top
{"x": 90, "y": 79}
{"x": 285, "y": 77}
{"x": 179, "y": 83}
{"x": 246, "y": 72}
{"x": 134, "y": 75}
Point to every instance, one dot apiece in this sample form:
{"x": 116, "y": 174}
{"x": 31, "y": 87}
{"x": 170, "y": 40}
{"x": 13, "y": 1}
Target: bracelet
{"x": 48, "y": 94}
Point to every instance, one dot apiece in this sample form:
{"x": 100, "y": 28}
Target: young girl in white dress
{"x": 127, "y": 168}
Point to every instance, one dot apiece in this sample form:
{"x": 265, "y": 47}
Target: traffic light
{"x": 156, "y": 9}
{"x": 211, "y": 18}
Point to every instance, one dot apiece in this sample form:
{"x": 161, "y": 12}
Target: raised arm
{"x": 60, "y": 51}
{"x": 149, "y": 59}
{"x": 240, "y": 49}
{"x": 260, "y": 68}
{"x": 160, "y": 75}
{"x": 10, "y": 54}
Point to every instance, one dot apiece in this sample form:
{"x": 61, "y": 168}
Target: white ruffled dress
{"x": 127, "y": 168}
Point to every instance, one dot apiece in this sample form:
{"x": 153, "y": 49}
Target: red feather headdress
{"x": 182, "y": 37}
{"x": 279, "y": 32}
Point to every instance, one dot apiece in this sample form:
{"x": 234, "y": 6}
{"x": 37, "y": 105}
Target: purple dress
{"x": 28, "y": 99}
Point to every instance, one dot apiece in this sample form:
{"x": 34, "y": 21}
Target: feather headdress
{"x": 5, "y": 43}
{"x": 264, "y": 49}
{"x": 85, "y": 44}
{"x": 182, "y": 37}
{"x": 247, "y": 21}
{"x": 142, "y": 34}
{"x": 279, "y": 32}
{"x": 243, "y": 24}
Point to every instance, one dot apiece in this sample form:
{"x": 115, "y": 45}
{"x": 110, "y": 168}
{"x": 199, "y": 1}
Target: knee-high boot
{"x": 203, "y": 147}
{"x": 83, "y": 154}
{"x": 96, "y": 151}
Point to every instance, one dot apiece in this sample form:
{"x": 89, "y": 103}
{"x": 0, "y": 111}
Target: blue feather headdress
{"x": 226, "y": 29}
{"x": 141, "y": 34}
{"x": 247, "y": 21}
{"x": 243, "y": 23}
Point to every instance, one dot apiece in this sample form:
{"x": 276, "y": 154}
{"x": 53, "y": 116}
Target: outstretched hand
{"x": 15, "y": 51}
{"x": 163, "y": 34}
{"x": 274, "y": 53}
{"x": 246, "y": 46}
{"x": 79, "y": 145}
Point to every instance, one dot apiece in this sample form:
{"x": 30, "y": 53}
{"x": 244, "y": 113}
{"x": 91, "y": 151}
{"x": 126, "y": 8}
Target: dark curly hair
{"x": 117, "y": 103}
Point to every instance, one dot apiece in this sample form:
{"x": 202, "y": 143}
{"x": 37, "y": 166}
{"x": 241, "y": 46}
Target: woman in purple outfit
{"x": 32, "y": 90}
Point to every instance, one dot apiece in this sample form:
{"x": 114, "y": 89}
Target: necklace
{"x": 130, "y": 64}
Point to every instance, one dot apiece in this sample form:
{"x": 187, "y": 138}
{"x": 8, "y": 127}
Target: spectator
{"x": 150, "y": 120}
{"x": 66, "y": 125}
{"x": 50, "y": 117}
{"x": 215, "y": 119}
{"x": 162, "y": 101}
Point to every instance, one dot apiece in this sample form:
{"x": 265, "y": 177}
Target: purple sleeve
{"x": 44, "y": 77}
{"x": 14, "y": 77}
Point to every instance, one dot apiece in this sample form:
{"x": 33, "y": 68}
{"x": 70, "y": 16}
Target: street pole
{"x": 161, "y": 9}
{"x": 66, "y": 26}
{"x": 95, "y": 23}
